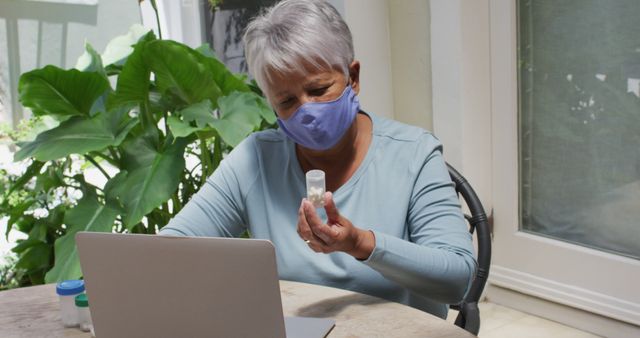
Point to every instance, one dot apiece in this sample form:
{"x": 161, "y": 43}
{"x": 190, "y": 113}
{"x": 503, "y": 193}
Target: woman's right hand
{"x": 338, "y": 234}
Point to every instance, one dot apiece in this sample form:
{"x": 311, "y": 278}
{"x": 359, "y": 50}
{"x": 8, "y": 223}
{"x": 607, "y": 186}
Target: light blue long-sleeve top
{"x": 401, "y": 191}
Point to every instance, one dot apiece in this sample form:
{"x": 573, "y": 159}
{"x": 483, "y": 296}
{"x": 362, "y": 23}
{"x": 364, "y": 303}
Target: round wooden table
{"x": 34, "y": 312}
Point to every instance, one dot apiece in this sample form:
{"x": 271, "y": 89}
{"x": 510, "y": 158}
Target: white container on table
{"x": 67, "y": 292}
{"x": 84, "y": 316}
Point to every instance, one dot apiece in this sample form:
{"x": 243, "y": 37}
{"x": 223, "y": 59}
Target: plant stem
{"x": 90, "y": 159}
{"x": 177, "y": 206}
{"x": 113, "y": 153}
{"x": 105, "y": 157}
{"x": 155, "y": 9}
{"x": 151, "y": 224}
{"x": 147, "y": 120}
{"x": 204, "y": 160}
{"x": 217, "y": 154}
{"x": 138, "y": 228}
{"x": 194, "y": 168}
{"x": 166, "y": 215}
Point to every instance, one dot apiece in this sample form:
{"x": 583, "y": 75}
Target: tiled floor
{"x": 502, "y": 322}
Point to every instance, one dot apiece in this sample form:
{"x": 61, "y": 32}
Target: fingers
{"x": 303, "y": 226}
{"x": 330, "y": 208}
{"x": 305, "y": 232}
{"x": 318, "y": 246}
{"x": 338, "y": 235}
{"x": 318, "y": 235}
{"x": 318, "y": 227}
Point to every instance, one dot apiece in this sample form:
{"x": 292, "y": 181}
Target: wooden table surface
{"x": 34, "y": 312}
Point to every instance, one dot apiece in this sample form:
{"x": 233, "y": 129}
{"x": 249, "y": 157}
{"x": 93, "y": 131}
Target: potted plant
{"x": 137, "y": 113}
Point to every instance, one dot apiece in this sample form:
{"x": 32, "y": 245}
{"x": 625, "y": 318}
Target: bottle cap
{"x": 82, "y": 300}
{"x": 70, "y": 287}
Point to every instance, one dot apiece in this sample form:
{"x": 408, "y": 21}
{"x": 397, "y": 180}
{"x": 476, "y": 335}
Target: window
{"x": 224, "y": 28}
{"x": 579, "y": 122}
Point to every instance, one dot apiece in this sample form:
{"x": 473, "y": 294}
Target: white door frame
{"x": 543, "y": 267}
{"x": 460, "y": 71}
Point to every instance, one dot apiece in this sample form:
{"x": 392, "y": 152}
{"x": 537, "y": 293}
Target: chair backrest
{"x": 469, "y": 315}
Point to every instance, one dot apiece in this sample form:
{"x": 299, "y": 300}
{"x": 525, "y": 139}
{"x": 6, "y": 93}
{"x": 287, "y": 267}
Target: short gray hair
{"x": 283, "y": 37}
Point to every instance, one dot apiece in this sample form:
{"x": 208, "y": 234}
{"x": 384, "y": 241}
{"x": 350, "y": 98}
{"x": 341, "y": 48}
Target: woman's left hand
{"x": 338, "y": 234}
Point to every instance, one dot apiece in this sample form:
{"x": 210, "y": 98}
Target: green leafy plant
{"x": 137, "y": 113}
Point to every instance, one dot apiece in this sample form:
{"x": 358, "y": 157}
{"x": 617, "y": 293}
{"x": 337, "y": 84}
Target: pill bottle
{"x": 84, "y": 316}
{"x": 315, "y": 187}
{"x": 67, "y": 291}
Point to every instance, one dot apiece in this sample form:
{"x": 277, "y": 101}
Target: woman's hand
{"x": 338, "y": 234}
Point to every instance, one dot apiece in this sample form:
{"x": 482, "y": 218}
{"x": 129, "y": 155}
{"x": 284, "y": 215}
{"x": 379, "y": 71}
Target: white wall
{"x": 392, "y": 43}
{"x": 461, "y": 80}
{"x": 409, "y": 22}
{"x": 369, "y": 24}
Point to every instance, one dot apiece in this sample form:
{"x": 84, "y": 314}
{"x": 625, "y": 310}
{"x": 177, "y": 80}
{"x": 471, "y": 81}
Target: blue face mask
{"x": 320, "y": 125}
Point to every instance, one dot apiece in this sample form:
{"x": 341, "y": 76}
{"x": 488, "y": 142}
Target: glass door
{"x": 566, "y": 152}
{"x": 579, "y": 122}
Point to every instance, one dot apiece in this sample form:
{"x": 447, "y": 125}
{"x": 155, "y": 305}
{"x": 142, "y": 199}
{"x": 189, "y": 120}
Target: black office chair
{"x": 469, "y": 315}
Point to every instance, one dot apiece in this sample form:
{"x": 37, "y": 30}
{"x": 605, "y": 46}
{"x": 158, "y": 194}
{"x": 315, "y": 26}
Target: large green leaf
{"x": 119, "y": 48}
{"x": 206, "y": 51}
{"x": 180, "y": 128}
{"x": 37, "y": 235}
{"x": 25, "y": 244}
{"x": 113, "y": 187}
{"x": 38, "y": 125}
{"x": 35, "y": 257}
{"x": 17, "y": 218}
{"x": 140, "y": 150}
{"x": 79, "y": 135}
{"x": 153, "y": 179}
{"x": 32, "y": 170}
{"x": 201, "y": 113}
{"x": 265, "y": 109}
{"x": 240, "y": 114}
{"x": 180, "y": 73}
{"x": 133, "y": 82}
{"x": 90, "y": 61}
{"x": 88, "y": 215}
{"x": 226, "y": 81}
{"x": 54, "y": 91}
{"x": 52, "y": 177}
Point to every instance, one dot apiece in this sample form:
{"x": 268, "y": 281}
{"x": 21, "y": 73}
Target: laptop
{"x": 161, "y": 286}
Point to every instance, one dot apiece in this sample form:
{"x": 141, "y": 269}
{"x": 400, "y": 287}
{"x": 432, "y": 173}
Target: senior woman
{"x": 392, "y": 227}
